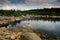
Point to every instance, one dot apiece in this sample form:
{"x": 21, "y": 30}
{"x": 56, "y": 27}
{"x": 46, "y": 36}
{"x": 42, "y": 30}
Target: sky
{"x": 28, "y": 4}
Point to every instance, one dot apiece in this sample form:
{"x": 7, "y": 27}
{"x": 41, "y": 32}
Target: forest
{"x": 45, "y": 11}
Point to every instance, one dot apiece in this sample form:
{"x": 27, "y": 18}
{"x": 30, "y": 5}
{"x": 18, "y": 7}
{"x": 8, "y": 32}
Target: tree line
{"x": 45, "y": 11}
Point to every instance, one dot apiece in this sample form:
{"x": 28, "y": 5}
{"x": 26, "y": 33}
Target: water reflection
{"x": 39, "y": 24}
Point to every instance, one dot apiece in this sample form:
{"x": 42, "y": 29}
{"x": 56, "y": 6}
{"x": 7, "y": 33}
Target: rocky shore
{"x": 5, "y": 20}
{"x": 23, "y": 35}
{"x": 17, "y": 35}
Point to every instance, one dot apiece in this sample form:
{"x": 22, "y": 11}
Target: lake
{"x": 50, "y": 26}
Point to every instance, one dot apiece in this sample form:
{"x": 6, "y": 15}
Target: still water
{"x": 45, "y": 25}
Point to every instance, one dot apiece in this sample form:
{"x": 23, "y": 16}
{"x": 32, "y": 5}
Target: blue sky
{"x": 28, "y": 4}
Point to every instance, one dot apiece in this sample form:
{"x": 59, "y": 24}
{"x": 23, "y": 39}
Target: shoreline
{"x": 45, "y": 16}
{"x": 5, "y": 20}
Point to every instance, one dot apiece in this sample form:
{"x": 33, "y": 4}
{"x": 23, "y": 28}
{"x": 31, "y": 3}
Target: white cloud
{"x": 19, "y": 7}
{"x": 39, "y": 1}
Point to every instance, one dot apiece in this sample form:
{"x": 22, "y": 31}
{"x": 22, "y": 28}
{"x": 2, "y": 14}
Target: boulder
{"x": 30, "y": 36}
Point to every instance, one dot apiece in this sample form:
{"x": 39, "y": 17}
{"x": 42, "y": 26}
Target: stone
{"x": 30, "y": 36}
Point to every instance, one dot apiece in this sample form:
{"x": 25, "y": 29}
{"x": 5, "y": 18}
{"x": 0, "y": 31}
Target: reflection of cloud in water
{"x": 36, "y": 24}
{"x": 57, "y": 24}
{"x": 41, "y": 24}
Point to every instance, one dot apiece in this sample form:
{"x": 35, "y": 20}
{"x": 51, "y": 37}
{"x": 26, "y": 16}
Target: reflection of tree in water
{"x": 13, "y": 26}
{"x": 44, "y": 19}
{"x": 15, "y": 23}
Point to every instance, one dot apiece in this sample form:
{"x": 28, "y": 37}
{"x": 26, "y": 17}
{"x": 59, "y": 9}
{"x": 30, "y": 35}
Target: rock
{"x": 10, "y": 35}
{"x": 13, "y": 37}
{"x": 30, "y": 36}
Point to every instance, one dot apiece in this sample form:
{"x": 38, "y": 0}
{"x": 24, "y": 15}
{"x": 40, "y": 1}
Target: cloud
{"x": 28, "y": 4}
{"x": 18, "y": 7}
{"x": 39, "y": 1}
{"x": 17, "y": 1}
{"x": 4, "y": 2}
{"x": 44, "y": 3}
